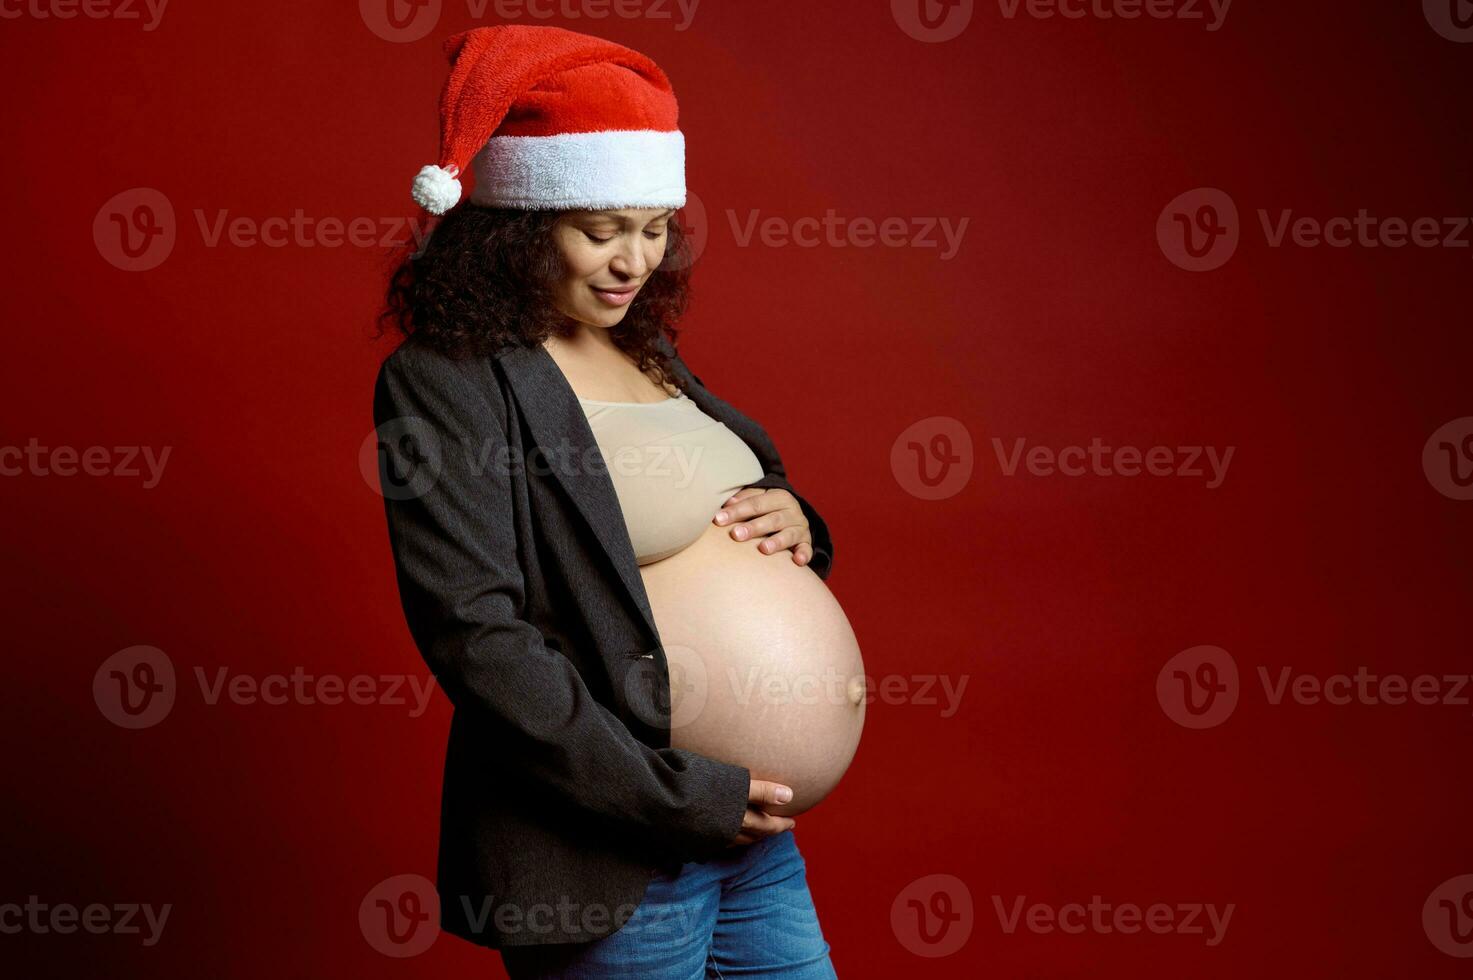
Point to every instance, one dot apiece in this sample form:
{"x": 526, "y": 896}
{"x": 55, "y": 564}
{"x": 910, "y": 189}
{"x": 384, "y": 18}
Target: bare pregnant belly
{"x": 765, "y": 671}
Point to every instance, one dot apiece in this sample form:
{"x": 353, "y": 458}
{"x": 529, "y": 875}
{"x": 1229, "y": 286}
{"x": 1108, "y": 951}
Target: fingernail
{"x": 741, "y": 534}
{"x": 783, "y": 794}
{"x": 722, "y": 517}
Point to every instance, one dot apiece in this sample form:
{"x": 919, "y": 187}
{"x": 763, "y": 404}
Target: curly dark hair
{"x": 483, "y": 280}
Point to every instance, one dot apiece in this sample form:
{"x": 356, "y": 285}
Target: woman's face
{"x": 609, "y": 256}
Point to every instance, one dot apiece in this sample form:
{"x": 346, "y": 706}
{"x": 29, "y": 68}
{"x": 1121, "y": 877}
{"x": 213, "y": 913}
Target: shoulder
{"x": 417, "y": 362}
{"x": 417, "y": 377}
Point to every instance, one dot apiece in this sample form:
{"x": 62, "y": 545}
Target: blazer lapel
{"x": 556, "y": 419}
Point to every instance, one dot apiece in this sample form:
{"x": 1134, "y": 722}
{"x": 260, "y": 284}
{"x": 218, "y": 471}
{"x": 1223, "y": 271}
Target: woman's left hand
{"x": 754, "y": 512}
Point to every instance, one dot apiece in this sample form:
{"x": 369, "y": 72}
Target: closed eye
{"x": 651, "y": 235}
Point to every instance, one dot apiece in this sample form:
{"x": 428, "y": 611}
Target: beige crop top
{"x": 672, "y": 467}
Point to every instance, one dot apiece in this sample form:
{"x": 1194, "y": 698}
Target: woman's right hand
{"x": 758, "y": 823}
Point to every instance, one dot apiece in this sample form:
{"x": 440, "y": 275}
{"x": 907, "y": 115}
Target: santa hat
{"x": 550, "y": 118}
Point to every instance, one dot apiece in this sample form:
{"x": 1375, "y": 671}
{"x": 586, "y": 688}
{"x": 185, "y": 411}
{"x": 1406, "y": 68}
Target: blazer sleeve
{"x": 455, "y": 553}
{"x": 775, "y": 476}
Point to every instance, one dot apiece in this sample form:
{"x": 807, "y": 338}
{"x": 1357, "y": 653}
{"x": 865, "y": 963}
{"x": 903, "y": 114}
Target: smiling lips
{"x": 616, "y": 297}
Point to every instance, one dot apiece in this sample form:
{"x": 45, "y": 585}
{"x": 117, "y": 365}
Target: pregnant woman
{"x": 603, "y": 563}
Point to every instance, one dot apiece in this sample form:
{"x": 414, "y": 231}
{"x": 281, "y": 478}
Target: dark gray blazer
{"x": 562, "y": 795}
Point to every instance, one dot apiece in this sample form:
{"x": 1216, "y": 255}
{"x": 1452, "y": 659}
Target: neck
{"x": 584, "y": 340}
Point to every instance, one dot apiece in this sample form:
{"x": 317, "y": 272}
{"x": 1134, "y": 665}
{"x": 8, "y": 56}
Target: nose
{"x": 630, "y": 261}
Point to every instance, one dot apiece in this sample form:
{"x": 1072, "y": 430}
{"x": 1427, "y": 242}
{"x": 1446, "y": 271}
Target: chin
{"x": 598, "y": 316}
{"x": 608, "y": 318}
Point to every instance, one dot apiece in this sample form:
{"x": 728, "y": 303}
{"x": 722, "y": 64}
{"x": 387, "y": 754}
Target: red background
{"x": 1060, "y": 320}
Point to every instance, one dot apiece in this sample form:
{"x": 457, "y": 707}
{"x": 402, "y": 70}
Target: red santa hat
{"x": 549, "y": 118}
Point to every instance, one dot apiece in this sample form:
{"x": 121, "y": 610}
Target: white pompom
{"x": 435, "y": 189}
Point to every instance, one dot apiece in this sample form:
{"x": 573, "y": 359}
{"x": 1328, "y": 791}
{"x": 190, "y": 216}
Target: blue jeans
{"x": 744, "y": 915}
